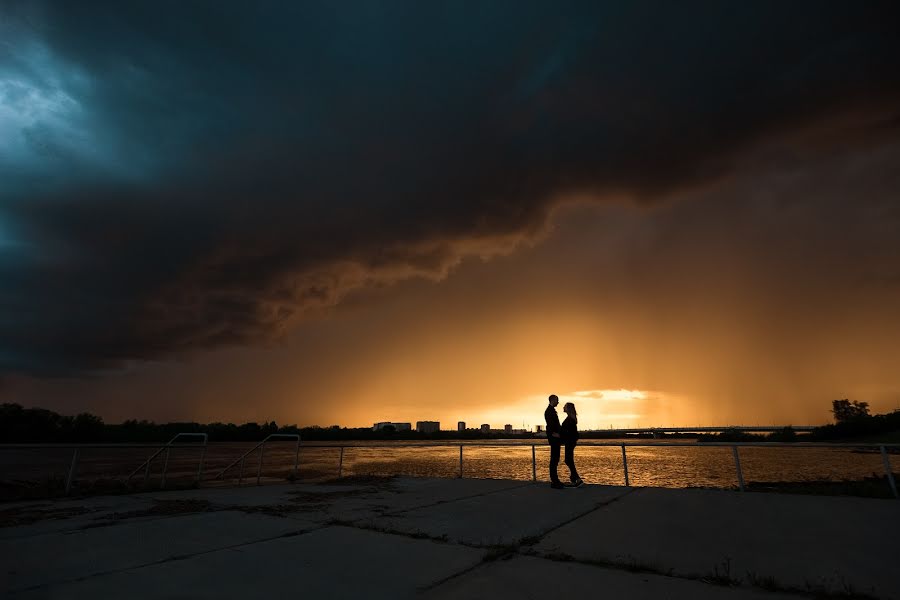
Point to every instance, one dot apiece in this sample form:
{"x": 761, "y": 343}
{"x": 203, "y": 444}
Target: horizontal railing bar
{"x": 525, "y": 444}
{"x": 583, "y": 443}
{"x": 701, "y": 429}
{"x": 160, "y": 445}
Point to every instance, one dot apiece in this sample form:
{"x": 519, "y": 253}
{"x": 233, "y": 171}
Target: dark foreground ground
{"x": 446, "y": 538}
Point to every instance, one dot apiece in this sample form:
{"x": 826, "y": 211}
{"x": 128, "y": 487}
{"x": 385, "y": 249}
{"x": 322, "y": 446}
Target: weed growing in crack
{"x": 500, "y": 552}
{"x": 559, "y": 556}
{"x": 766, "y": 582}
{"x": 723, "y": 576}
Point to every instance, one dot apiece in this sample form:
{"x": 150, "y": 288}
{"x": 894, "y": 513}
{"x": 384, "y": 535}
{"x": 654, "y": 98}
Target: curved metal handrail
{"x": 168, "y": 446}
{"x": 262, "y": 447}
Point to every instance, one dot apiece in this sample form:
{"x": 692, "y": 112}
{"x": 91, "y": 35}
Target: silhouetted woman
{"x": 569, "y": 434}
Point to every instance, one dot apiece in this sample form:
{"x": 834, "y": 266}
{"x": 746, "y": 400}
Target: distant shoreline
{"x": 39, "y": 426}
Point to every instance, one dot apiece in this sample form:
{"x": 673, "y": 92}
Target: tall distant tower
{"x": 461, "y": 426}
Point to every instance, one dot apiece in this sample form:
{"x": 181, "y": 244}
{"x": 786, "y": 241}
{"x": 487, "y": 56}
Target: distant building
{"x": 507, "y": 428}
{"x": 428, "y": 426}
{"x": 397, "y": 426}
{"x": 461, "y": 426}
{"x": 538, "y": 428}
{"x": 485, "y": 428}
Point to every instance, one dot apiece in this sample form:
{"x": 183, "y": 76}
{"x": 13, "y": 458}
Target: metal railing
{"x": 702, "y": 429}
{"x": 735, "y": 446}
{"x": 623, "y": 445}
{"x": 77, "y": 448}
{"x": 166, "y": 448}
{"x": 262, "y": 450}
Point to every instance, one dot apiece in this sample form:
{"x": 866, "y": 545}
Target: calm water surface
{"x": 661, "y": 466}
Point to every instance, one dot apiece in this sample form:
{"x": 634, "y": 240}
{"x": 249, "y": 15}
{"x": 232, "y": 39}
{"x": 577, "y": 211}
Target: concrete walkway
{"x": 446, "y": 538}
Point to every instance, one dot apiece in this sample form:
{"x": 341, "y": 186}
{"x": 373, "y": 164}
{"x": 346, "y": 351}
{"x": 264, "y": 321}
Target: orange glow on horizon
{"x": 597, "y": 409}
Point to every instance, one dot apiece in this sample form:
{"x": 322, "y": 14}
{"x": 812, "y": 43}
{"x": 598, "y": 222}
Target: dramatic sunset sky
{"x": 349, "y": 212}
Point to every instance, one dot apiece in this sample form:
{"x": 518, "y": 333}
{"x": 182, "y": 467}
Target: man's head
{"x": 553, "y": 400}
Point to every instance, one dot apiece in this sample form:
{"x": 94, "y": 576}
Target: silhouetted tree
{"x": 844, "y": 410}
{"x": 87, "y": 427}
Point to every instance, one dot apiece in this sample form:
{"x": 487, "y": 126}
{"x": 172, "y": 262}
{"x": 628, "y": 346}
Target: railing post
{"x": 737, "y": 467}
{"x": 460, "y": 462}
{"x": 200, "y": 467}
{"x": 297, "y": 459}
{"x": 262, "y": 450}
{"x": 241, "y": 472}
{"x": 887, "y": 469}
{"x": 72, "y": 467}
{"x": 625, "y": 466}
{"x": 341, "y": 464}
{"x": 533, "y": 464}
{"x": 162, "y": 483}
{"x": 147, "y": 473}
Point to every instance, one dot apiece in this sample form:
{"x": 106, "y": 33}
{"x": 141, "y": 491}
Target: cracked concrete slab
{"x": 398, "y": 496}
{"x": 501, "y": 516}
{"x": 417, "y": 492}
{"x": 55, "y": 558}
{"x": 252, "y": 494}
{"x": 526, "y": 578}
{"x": 795, "y": 543}
{"x": 38, "y": 518}
{"x": 334, "y": 562}
{"x": 824, "y": 544}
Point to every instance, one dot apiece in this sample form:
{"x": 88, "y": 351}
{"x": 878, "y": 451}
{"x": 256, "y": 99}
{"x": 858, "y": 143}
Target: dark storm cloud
{"x": 197, "y": 174}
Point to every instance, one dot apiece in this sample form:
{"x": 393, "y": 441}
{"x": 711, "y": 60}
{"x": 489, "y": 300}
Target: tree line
{"x": 39, "y": 425}
{"x": 851, "y": 420}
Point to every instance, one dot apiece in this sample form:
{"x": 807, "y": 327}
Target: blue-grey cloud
{"x": 184, "y": 176}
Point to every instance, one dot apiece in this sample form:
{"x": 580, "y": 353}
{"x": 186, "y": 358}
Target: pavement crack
{"x": 769, "y": 586}
{"x": 452, "y": 576}
{"x": 169, "y": 559}
{"x": 450, "y": 501}
{"x": 534, "y": 539}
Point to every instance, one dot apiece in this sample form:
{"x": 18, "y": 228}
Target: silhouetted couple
{"x": 562, "y": 435}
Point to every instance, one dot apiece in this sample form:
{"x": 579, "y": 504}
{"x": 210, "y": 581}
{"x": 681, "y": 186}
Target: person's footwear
{"x": 578, "y": 482}
{"x": 557, "y": 485}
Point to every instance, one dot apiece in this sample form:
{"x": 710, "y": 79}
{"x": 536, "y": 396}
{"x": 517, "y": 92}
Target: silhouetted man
{"x": 553, "y": 437}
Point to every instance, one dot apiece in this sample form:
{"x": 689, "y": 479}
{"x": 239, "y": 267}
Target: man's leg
{"x": 554, "y": 462}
